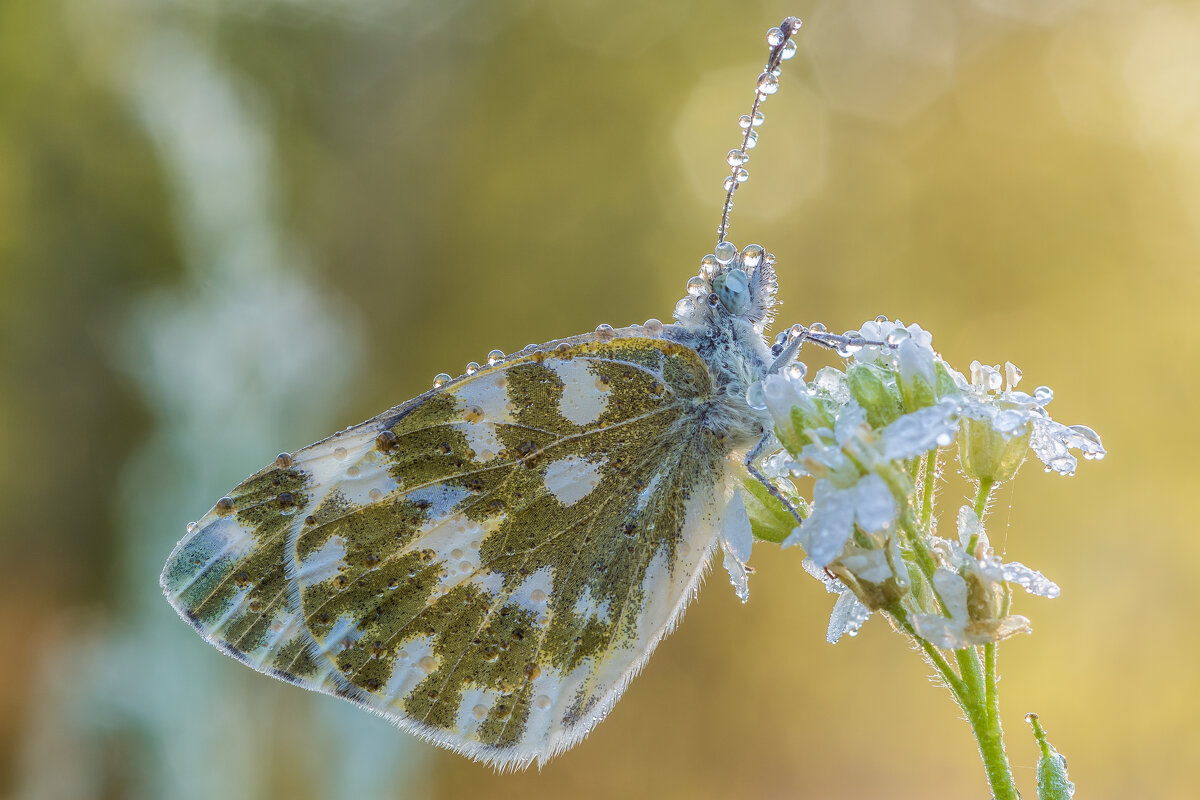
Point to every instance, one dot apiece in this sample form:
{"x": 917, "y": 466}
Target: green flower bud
{"x": 881, "y": 403}
{"x": 988, "y": 455}
{"x": 918, "y": 376}
{"x": 1052, "y": 781}
{"x": 770, "y": 521}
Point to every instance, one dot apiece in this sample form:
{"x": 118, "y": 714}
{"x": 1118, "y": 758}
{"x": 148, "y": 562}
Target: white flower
{"x": 847, "y": 463}
{"x": 1013, "y": 421}
{"x": 891, "y": 334}
{"x": 736, "y": 540}
{"x": 959, "y": 630}
{"x": 973, "y": 595}
{"x": 848, "y": 613}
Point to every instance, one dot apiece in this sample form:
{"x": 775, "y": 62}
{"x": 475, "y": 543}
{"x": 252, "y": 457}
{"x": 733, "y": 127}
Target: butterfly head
{"x": 731, "y": 285}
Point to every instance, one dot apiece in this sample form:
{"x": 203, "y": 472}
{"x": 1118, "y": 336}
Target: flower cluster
{"x": 873, "y": 438}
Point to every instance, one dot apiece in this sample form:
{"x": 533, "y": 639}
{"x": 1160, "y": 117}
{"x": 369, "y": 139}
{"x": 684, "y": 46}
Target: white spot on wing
{"x": 323, "y": 563}
{"x": 441, "y": 498}
{"x": 534, "y": 590}
{"x": 581, "y": 402}
{"x": 411, "y": 666}
{"x": 484, "y": 405}
{"x": 342, "y": 635}
{"x": 473, "y": 709}
{"x": 587, "y": 607}
{"x": 572, "y": 478}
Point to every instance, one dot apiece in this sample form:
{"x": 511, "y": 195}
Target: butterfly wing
{"x": 487, "y": 565}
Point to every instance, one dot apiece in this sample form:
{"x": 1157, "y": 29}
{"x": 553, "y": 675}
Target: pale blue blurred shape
{"x": 243, "y": 359}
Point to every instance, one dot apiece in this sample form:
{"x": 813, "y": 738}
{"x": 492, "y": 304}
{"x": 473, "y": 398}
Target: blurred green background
{"x": 228, "y": 228}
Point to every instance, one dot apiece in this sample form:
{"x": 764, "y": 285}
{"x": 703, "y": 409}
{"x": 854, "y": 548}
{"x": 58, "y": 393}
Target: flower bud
{"x": 794, "y": 410}
{"x": 918, "y": 378}
{"x": 989, "y": 455}
{"x": 867, "y": 387}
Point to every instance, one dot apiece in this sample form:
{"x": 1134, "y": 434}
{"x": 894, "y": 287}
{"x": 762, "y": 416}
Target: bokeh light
{"x": 231, "y": 227}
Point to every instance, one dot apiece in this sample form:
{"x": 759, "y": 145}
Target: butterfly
{"x": 489, "y": 564}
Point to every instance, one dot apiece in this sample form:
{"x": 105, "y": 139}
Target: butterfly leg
{"x": 751, "y": 457}
{"x": 790, "y": 342}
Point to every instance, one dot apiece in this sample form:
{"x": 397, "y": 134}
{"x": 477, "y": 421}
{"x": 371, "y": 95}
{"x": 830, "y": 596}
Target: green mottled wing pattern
{"x": 487, "y": 565}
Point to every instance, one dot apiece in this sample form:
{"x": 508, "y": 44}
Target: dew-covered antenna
{"x": 783, "y": 47}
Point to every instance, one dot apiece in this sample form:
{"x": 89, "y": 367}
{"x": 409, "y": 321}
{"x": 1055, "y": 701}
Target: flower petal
{"x": 736, "y": 540}
{"x": 1030, "y": 580}
{"x": 826, "y": 530}
{"x": 847, "y": 617}
{"x": 874, "y": 506}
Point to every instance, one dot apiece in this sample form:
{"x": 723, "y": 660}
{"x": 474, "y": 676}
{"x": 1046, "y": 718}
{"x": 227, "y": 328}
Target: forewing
{"x": 486, "y": 565}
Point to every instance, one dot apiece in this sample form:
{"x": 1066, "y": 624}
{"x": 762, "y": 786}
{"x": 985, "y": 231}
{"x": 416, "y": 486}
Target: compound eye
{"x": 733, "y": 288}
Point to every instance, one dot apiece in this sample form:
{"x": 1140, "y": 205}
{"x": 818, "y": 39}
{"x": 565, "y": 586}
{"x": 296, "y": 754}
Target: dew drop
{"x": 1043, "y": 395}
{"x": 192, "y": 527}
{"x": 729, "y": 183}
{"x": 472, "y": 367}
{"x": 709, "y": 267}
{"x": 339, "y": 453}
{"x": 495, "y": 357}
{"x": 605, "y": 332}
{"x": 543, "y": 702}
{"x": 735, "y": 158}
{"x": 685, "y": 308}
{"x": 816, "y": 327}
{"x": 751, "y": 140}
{"x": 697, "y": 286}
{"x": 283, "y": 460}
{"x": 781, "y": 338}
{"x": 744, "y": 121}
{"x": 896, "y": 336}
{"x": 741, "y": 175}
{"x": 758, "y": 118}
{"x": 775, "y": 37}
{"x": 653, "y": 327}
{"x": 725, "y": 252}
{"x": 537, "y": 596}
{"x": 756, "y": 398}
{"x": 385, "y": 441}
{"x": 789, "y": 50}
{"x": 440, "y": 380}
{"x": 768, "y": 84}
{"x": 376, "y": 494}
{"x": 752, "y": 256}
{"x": 882, "y": 320}
{"x": 224, "y": 506}
{"x": 797, "y": 371}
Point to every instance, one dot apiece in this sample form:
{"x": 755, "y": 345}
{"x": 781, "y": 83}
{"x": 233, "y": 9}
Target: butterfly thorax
{"x": 737, "y": 356}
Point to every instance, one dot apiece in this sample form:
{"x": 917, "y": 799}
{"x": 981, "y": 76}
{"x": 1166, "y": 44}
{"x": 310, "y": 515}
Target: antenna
{"x": 779, "y": 39}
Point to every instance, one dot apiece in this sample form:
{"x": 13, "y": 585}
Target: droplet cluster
{"x": 782, "y": 48}
{"x": 701, "y": 301}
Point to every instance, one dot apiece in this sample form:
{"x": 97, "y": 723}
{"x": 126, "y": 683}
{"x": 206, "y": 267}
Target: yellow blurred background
{"x": 230, "y": 227}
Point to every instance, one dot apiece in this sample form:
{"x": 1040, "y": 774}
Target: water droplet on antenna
{"x": 767, "y": 84}
{"x": 725, "y": 252}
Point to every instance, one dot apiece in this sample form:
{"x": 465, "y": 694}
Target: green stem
{"x": 931, "y": 468}
{"x": 945, "y": 671}
{"x": 995, "y": 761}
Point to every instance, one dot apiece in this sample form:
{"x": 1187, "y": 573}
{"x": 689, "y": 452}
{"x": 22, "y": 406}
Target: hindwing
{"x": 486, "y": 565}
